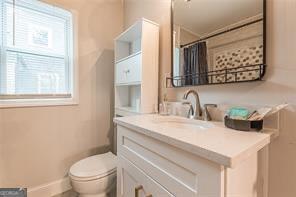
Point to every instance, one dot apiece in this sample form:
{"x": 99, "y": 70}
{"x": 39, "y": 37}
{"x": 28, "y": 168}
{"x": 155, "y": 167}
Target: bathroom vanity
{"x": 174, "y": 156}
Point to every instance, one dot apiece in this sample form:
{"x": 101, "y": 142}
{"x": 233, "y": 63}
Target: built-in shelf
{"x": 136, "y": 69}
{"x": 128, "y": 57}
{"x": 126, "y": 111}
{"x": 128, "y": 84}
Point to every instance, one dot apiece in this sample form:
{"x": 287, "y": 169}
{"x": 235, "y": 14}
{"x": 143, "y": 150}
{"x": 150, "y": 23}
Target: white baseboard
{"x": 50, "y": 189}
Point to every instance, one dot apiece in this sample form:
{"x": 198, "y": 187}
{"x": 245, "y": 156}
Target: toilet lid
{"x": 94, "y": 166}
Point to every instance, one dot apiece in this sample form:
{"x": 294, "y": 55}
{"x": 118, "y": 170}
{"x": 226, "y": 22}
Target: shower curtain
{"x": 196, "y": 64}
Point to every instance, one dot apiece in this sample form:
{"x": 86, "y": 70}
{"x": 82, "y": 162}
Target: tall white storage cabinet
{"x": 136, "y": 69}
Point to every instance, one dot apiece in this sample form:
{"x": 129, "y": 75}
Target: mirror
{"x": 217, "y": 41}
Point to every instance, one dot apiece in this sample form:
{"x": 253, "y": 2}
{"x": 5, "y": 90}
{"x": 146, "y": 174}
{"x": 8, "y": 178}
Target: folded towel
{"x": 238, "y": 113}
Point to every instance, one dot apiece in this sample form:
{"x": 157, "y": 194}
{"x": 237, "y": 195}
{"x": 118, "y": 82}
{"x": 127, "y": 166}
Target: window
{"x": 36, "y": 51}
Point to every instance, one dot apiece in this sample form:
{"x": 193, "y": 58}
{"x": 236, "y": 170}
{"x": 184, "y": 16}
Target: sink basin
{"x": 182, "y": 123}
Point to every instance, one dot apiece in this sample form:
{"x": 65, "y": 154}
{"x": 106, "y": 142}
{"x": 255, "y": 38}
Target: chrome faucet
{"x": 197, "y": 111}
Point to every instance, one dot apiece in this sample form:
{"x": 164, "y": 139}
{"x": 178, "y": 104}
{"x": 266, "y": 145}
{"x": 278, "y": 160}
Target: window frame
{"x": 30, "y": 100}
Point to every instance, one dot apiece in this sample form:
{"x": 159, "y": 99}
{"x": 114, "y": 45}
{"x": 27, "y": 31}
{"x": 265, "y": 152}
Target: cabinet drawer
{"x": 133, "y": 177}
{"x": 129, "y": 71}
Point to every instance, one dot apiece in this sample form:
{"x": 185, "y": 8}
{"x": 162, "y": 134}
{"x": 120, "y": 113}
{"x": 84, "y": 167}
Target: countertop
{"x": 217, "y": 143}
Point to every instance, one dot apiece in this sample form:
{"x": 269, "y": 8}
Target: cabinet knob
{"x": 137, "y": 189}
{"x": 126, "y": 71}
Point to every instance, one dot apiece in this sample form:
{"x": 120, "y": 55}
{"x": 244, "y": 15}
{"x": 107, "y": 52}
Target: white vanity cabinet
{"x": 150, "y": 165}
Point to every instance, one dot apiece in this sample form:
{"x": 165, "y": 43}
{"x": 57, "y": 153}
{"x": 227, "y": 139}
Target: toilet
{"x": 94, "y": 176}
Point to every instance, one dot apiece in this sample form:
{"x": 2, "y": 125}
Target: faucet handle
{"x": 191, "y": 110}
{"x": 207, "y": 114}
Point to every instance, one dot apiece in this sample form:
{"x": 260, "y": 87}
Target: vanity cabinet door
{"x": 133, "y": 182}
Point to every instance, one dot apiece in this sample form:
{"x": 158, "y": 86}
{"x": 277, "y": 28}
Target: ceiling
{"x": 205, "y": 16}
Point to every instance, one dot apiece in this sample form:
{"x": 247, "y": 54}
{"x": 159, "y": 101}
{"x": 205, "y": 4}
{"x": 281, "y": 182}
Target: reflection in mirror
{"x": 217, "y": 41}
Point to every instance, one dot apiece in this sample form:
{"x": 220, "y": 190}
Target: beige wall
{"x": 279, "y": 86}
{"x": 38, "y": 145}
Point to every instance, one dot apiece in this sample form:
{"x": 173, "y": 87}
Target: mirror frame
{"x": 171, "y": 79}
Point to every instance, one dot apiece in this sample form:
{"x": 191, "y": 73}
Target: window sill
{"x": 37, "y": 103}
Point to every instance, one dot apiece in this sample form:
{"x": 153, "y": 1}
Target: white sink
{"x": 182, "y": 123}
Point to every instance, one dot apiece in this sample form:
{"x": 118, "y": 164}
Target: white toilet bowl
{"x": 94, "y": 176}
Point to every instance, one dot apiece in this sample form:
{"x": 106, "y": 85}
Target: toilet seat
{"x": 94, "y": 167}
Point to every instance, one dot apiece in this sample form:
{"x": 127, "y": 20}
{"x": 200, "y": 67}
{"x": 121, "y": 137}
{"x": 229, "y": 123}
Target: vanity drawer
{"x": 134, "y": 182}
{"x": 129, "y": 71}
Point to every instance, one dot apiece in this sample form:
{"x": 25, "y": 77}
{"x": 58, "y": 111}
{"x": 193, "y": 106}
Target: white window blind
{"x": 36, "y": 50}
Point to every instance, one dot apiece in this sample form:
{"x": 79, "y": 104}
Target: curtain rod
{"x": 223, "y": 32}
